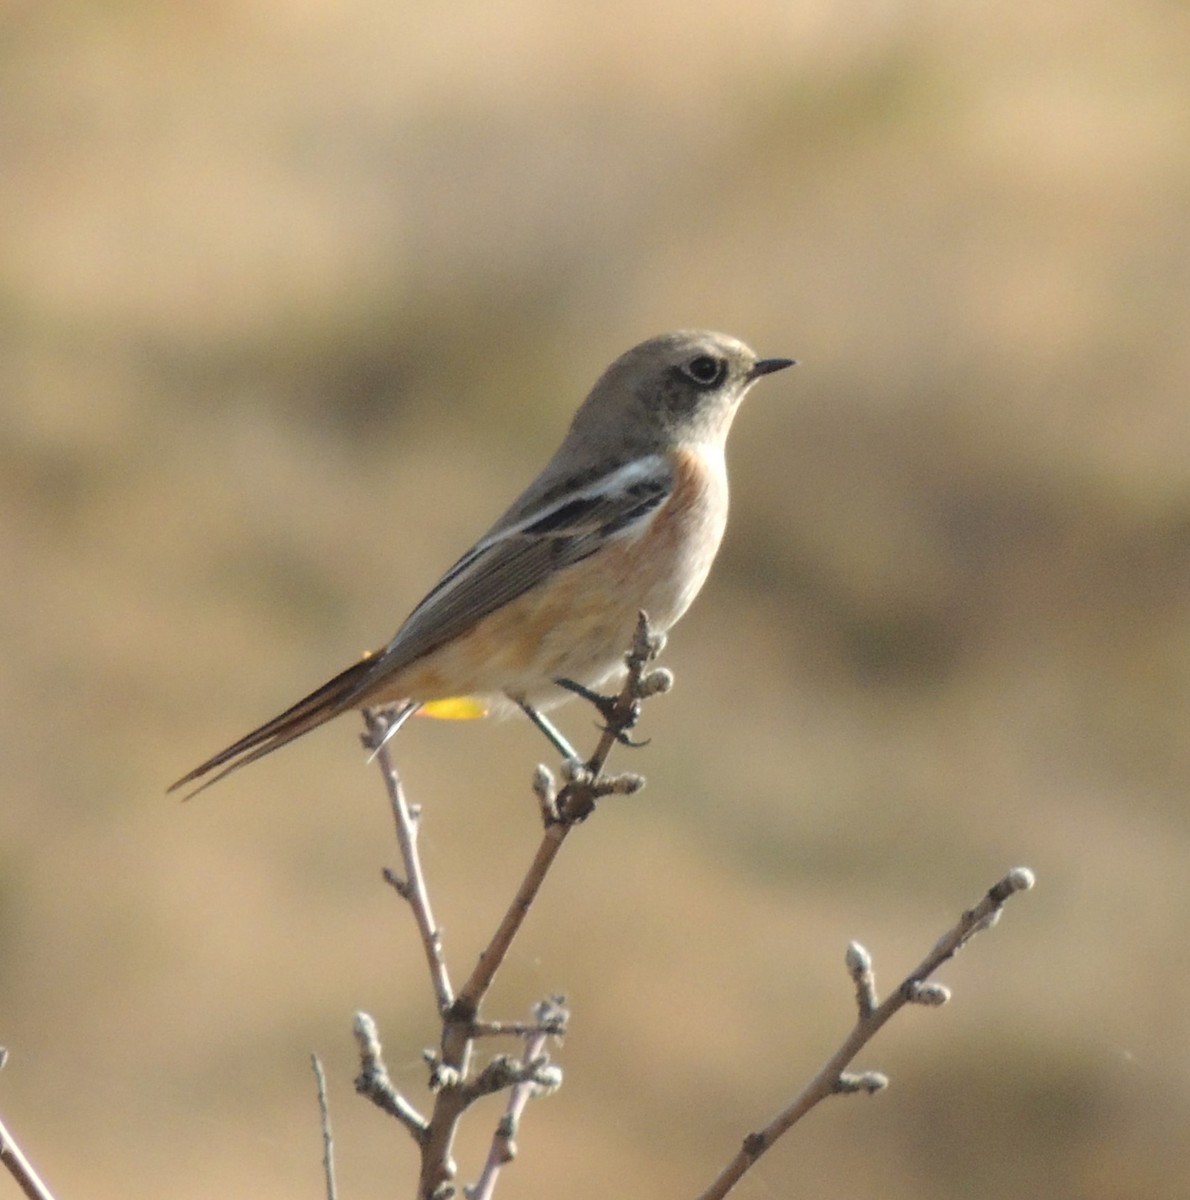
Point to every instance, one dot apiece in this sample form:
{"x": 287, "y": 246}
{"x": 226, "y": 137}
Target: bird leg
{"x": 553, "y": 734}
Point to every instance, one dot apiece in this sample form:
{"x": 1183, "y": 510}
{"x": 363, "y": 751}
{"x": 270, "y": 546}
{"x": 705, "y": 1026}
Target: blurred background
{"x": 294, "y": 297}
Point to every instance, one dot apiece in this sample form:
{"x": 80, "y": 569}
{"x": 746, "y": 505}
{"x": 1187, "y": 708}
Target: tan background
{"x": 294, "y": 296}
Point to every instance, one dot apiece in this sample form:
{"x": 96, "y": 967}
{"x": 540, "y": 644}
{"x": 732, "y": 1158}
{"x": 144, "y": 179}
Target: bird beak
{"x": 766, "y": 366}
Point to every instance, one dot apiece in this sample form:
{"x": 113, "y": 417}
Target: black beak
{"x": 766, "y": 366}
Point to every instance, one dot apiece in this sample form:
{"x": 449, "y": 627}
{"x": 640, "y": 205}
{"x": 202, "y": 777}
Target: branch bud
{"x": 548, "y": 1078}
{"x": 367, "y": 1037}
{"x": 574, "y": 771}
{"x": 932, "y": 995}
{"x": 859, "y": 967}
{"x": 543, "y": 783}
{"x": 868, "y": 1081}
{"x": 1020, "y": 879}
{"x": 624, "y": 784}
{"x": 859, "y": 961}
{"x": 655, "y": 683}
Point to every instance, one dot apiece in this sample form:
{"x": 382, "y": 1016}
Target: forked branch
{"x": 453, "y": 1081}
{"x": 915, "y": 988}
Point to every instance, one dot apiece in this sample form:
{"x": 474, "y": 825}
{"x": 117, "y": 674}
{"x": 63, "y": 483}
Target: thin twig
{"x": 504, "y": 1148}
{"x": 373, "y": 1080}
{"x": 914, "y": 989}
{"x": 324, "y": 1118}
{"x": 413, "y": 886}
{"x": 503, "y": 1073}
{"x": 555, "y": 1026}
{"x": 20, "y": 1168}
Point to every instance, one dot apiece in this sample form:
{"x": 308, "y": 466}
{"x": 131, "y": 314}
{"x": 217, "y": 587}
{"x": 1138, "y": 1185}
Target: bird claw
{"x": 621, "y": 736}
{"x": 609, "y": 708}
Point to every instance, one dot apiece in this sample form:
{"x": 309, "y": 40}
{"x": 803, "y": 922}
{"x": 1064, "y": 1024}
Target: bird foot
{"x": 611, "y": 709}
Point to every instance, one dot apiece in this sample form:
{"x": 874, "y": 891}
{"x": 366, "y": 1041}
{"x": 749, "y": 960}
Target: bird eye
{"x": 705, "y": 370}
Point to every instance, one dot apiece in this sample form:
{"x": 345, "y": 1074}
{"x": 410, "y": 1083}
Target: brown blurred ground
{"x": 293, "y": 297}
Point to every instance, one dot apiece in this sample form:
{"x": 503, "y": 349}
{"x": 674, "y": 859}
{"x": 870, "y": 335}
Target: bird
{"x": 627, "y": 516}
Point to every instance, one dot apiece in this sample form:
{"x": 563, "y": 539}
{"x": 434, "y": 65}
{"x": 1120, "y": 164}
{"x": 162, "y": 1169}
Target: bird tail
{"x": 335, "y": 696}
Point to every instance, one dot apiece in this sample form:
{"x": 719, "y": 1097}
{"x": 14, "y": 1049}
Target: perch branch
{"x": 450, "y": 1067}
{"x": 585, "y": 785}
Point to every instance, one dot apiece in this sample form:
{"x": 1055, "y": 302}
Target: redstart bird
{"x": 626, "y": 517}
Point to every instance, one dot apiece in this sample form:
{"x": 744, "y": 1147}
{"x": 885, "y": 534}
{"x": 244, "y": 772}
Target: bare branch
{"x": 505, "y": 1072}
{"x": 554, "y": 1024}
{"x": 585, "y": 785}
{"x": 324, "y": 1116}
{"x": 20, "y": 1168}
{"x": 549, "y": 1013}
{"x": 832, "y": 1079}
{"x": 413, "y": 886}
{"x": 561, "y": 811}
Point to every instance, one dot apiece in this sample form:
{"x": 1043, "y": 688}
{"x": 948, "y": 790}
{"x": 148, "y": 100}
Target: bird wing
{"x": 513, "y": 560}
{"x": 563, "y": 529}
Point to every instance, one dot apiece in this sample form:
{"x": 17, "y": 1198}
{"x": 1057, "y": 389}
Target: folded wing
{"x": 498, "y": 569}
{"x": 513, "y": 561}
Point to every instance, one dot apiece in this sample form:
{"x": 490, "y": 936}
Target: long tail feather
{"x": 335, "y": 696}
